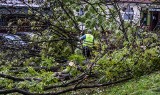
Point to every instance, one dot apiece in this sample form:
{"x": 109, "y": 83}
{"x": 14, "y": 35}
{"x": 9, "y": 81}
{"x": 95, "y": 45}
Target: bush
{"x": 132, "y": 61}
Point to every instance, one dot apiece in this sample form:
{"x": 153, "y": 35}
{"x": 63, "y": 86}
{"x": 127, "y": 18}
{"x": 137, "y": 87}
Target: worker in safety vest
{"x": 88, "y": 42}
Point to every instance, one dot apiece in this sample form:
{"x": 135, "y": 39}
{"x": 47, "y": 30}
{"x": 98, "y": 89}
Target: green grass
{"x": 145, "y": 85}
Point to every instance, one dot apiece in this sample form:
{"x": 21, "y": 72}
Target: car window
{"x": 12, "y": 37}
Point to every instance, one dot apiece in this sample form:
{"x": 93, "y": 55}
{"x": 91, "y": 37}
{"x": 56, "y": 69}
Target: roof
{"x": 135, "y": 1}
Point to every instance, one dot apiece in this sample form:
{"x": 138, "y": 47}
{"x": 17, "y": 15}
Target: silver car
{"x": 12, "y": 41}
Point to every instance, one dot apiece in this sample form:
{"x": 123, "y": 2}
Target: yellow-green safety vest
{"x": 88, "y": 41}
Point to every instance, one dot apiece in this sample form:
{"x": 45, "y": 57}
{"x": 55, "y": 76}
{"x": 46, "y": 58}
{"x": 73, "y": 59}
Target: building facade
{"x": 146, "y": 11}
{"x": 12, "y": 10}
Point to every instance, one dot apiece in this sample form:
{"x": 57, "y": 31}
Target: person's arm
{"x": 82, "y": 37}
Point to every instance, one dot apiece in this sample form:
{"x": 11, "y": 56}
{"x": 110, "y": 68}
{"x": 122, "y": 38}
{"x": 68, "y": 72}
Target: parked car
{"x": 28, "y": 37}
{"x": 11, "y": 41}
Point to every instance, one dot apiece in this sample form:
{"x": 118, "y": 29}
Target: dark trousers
{"x": 86, "y": 51}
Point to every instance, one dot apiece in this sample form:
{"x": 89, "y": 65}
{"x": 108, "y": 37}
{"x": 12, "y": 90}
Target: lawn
{"x": 145, "y": 85}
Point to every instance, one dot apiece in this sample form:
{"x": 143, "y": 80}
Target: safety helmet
{"x": 89, "y": 31}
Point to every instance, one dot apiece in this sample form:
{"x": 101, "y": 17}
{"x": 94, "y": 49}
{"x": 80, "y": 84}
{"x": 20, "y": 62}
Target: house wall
{"x": 136, "y": 11}
{"x": 140, "y": 7}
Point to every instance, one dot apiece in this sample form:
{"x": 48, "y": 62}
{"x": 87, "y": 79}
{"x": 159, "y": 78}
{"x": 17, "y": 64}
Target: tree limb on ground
{"x": 18, "y": 79}
{"x": 63, "y": 91}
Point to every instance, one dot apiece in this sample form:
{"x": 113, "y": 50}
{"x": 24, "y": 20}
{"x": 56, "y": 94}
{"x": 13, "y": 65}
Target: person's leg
{"x": 84, "y": 51}
{"x": 88, "y": 52}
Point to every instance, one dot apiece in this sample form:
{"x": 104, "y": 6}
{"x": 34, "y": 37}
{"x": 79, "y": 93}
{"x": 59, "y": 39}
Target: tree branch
{"x": 63, "y": 91}
{"x": 88, "y": 86}
{"x": 18, "y": 79}
{"x": 67, "y": 83}
{"x": 15, "y": 90}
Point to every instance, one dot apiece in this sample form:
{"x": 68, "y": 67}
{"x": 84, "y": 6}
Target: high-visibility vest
{"x": 88, "y": 41}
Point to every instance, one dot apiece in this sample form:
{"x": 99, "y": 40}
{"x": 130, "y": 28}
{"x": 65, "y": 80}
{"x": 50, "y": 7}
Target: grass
{"x": 145, "y": 85}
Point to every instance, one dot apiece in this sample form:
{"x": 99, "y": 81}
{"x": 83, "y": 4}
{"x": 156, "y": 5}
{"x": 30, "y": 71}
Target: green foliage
{"x": 136, "y": 60}
{"x": 145, "y": 85}
{"x": 47, "y": 61}
{"x": 77, "y": 58}
{"x": 7, "y": 83}
{"x": 140, "y": 57}
{"x": 58, "y": 33}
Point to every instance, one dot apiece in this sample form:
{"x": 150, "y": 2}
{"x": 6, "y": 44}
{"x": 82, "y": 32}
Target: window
{"x": 128, "y": 13}
{"x": 81, "y": 12}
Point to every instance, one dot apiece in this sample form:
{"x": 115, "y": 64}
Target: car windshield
{"x": 12, "y": 37}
